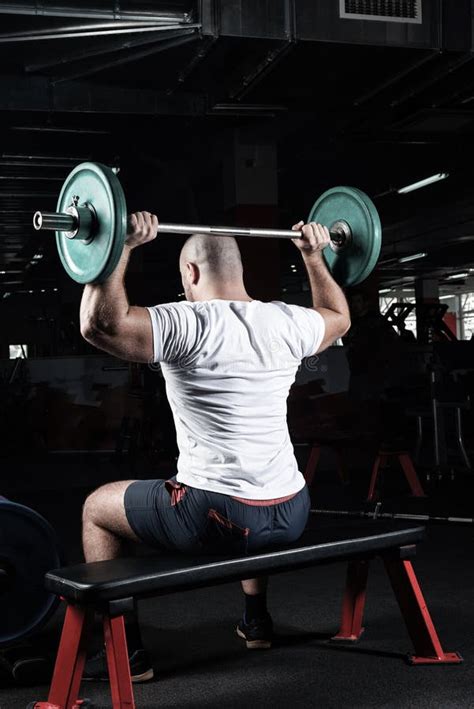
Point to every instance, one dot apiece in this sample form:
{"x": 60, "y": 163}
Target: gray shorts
{"x": 165, "y": 513}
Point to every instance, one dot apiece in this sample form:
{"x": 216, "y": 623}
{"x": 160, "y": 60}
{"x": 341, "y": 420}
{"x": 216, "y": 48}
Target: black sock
{"x": 255, "y": 607}
{"x": 132, "y": 631}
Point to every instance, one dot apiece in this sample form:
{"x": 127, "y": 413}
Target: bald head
{"x": 216, "y": 256}
{"x": 210, "y": 264}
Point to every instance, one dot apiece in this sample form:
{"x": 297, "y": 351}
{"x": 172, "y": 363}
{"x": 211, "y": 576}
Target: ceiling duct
{"x": 395, "y": 23}
{"x": 381, "y": 10}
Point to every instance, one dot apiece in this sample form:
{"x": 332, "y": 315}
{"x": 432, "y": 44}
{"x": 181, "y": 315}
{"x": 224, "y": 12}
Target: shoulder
{"x": 297, "y": 313}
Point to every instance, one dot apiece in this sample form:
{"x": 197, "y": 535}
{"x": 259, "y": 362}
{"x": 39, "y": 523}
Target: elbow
{"x": 91, "y": 330}
{"x": 88, "y": 330}
{"x": 346, "y": 326}
{"x": 341, "y": 326}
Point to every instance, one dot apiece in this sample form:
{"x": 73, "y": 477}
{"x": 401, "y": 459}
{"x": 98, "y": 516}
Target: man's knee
{"x": 92, "y": 505}
{"x": 105, "y": 507}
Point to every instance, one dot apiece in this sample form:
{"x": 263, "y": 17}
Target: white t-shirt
{"x": 228, "y": 367}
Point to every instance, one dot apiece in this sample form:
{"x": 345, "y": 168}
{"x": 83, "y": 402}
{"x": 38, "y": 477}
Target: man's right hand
{"x": 142, "y": 227}
{"x": 315, "y": 238}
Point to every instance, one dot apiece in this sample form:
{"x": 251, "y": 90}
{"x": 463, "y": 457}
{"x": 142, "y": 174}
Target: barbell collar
{"x": 54, "y": 221}
{"x": 341, "y": 235}
{"x": 77, "y": 222}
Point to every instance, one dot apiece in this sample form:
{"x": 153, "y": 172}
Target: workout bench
{"x": 110, "y": 587}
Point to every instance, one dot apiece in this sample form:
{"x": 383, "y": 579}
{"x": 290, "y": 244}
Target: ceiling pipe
{"x": 100, "y": 51}
{"x": 43, "y": 158}
{"x": 59, "y": 129}
{"x": 89, "y": 26}
{"x": 111, "y": 31}
{"x": 34, "y": 178}
{"x": 29, "y": 163}
{"x": 39, "y": 8}
{"x": 187, "y": 36}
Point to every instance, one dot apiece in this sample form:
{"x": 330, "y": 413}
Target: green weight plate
{"x": 354, "y": 263}
{"x": 94, "y": 260}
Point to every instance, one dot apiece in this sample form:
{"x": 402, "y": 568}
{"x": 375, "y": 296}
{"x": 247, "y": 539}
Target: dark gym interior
{"x": 244, "y": 112}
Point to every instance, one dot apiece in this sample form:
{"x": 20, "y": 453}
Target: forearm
{"x": 324, "y": 290}
{"x": 104, "y": 305}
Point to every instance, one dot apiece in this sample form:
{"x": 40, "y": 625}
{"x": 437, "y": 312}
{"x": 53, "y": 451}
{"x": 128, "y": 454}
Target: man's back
{"x": 228, "y": 367}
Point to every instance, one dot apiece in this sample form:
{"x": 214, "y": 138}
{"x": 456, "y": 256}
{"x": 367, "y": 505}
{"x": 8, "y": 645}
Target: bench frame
{"x": 79, "y": 618}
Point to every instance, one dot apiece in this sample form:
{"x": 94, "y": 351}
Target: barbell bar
{"x": 91, "y": 225}
{"x": 70, "y": 224}
{"x": 378, "y": 514}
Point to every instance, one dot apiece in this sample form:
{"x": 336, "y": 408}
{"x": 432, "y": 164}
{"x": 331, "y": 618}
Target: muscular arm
{"x": 328, "y": 298}
{"x": 110, "y": 323}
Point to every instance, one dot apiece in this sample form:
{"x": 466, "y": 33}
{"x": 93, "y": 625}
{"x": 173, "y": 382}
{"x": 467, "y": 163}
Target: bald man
{"x": 229, "y": 362}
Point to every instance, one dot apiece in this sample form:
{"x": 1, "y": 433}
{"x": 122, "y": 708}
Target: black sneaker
{"x": 258, "y": 634}
{"x": 141, "y": 669}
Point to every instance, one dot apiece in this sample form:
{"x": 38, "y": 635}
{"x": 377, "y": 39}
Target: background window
{"x": 18, "y": 351}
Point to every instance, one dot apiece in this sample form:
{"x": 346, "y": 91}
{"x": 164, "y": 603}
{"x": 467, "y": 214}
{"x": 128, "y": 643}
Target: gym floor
{"x": 199, "y": 661}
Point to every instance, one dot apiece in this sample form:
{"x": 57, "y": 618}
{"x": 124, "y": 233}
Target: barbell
{"x": 91, "y": 226}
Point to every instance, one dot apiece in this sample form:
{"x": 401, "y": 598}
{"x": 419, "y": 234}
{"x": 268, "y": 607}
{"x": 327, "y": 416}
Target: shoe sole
{"x": 254, "y": 644}
{"x": 136, "y": 679}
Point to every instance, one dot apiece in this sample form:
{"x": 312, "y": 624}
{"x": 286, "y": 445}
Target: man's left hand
{"x": 142, "y": 227}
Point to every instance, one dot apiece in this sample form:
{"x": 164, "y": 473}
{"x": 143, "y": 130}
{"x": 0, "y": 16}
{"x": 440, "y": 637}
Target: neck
{"x": 229, "y": 292}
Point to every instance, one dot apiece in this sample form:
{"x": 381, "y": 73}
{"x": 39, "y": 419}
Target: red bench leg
{"x": 70, "y": 660}
{"x": 411, "y": 476}
{"x": 311, "y": 465}
{"x": 420, "y": 627}
{"x": 354, "y": 602}
{"x": 118, "y": 664}
{"x": 379, "y": 462}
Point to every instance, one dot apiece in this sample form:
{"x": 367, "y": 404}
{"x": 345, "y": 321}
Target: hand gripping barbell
{"x": 91, "y": 226}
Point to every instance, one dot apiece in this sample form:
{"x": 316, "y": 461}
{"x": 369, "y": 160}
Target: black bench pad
{"x": 163, "y": 573}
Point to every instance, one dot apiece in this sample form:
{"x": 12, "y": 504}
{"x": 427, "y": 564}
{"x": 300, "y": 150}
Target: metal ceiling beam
{"x": 37, "y": 94}
{"x": 431, "y": 81}
{"x": 396, "y": 78}
{"x": 201, "y": 53}
{"x": 183, "y": 37}
{"x": 39, "y": 8}
{"x": 265, "y": 67}
{"x": 91, "y": 52}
